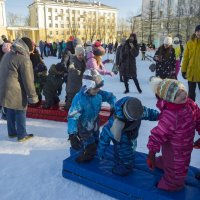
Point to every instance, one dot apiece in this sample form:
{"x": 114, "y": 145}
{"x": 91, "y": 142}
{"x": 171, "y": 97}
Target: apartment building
{"x": 59, "y": 19}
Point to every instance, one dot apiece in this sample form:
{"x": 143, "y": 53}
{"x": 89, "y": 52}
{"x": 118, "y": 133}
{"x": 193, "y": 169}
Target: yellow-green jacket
{"x": 191, "y": 60}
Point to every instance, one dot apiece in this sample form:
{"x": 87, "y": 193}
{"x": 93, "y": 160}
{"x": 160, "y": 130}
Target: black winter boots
{"x": 88, "y": 153}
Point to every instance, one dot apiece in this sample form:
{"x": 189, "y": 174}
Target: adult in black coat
{"x": 128, "y": 54}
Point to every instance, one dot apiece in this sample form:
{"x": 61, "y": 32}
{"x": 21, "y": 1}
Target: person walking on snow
{"x": 128, "y": 54}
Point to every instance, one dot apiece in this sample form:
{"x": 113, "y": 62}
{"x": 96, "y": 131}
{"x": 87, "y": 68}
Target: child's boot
{"x": 88, "y": 153}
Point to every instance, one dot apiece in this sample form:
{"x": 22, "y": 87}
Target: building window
{"x": 49, "y": 9}
{"x": 56, "y": 32}
{"x": 56, "y": 17}
{"x": 49, "y": 17}
{"x": 62, "y": 25}
{"x": 50, "y": 25}
{"x": 56, "y": 10}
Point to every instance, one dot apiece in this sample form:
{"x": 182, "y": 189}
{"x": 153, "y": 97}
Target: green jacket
{"x": 191, "y": 59}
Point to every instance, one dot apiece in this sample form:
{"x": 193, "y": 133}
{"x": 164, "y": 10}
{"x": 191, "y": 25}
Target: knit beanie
{"x": 28, "y": 42}
{"x": 197, "y": 28}
{"x": 60, "y": 67}
{"x": 79, "y": 50}
{"x": 168, "y": 40}
{"x": 133, "y": 109}
{"x": 176, "y": 42}
{"x": 76, "y": 42}
{"x": 98, "y": 51}
{"x": 88, "y": 43}
{"x": 92, "y": 79}
{"x": 6, "y": 47}
{"x": 168, "y": 88}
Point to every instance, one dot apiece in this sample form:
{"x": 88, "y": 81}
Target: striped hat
{"x": 168, "y": 88}
{"x": 133, "y": 109}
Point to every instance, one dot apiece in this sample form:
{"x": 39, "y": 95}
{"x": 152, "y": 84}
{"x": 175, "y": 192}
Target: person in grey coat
{"x": 75, "y": 74}
{"x": 17, "y": 87}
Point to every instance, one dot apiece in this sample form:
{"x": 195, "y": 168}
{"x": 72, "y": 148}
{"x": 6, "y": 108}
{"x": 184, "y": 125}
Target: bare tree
{"x": 12, "y": 19}
{"x": 149, "y": 17}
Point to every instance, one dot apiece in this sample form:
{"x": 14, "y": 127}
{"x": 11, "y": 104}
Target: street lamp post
{"x": 45, "y": 19}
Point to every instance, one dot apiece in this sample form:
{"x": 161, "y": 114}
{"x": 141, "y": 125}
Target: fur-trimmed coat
{"x": 16, "y": 78}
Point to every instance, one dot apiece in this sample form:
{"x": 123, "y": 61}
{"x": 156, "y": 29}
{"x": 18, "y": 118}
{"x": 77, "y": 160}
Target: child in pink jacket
{"x": 94, "y": 59}
{"x": 174, "y": 134}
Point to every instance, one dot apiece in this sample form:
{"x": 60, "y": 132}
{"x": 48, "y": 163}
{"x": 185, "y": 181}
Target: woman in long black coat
{"x": 128, "y": 54}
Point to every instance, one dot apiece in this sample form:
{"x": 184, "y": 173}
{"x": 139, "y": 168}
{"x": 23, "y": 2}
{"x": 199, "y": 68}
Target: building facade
{"x": 163, "y": 17}
{"x": 2, "y": 18}
{"x": 59, "y": 19}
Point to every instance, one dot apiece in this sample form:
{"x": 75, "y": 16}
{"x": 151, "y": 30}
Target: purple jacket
{"x": 175, "y": 134}
{"x": 92, "y": 64}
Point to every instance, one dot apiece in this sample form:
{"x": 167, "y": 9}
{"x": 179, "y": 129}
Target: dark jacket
{"x": 53, "y": 83}
{"x": 16, "y": 78}
{"x": 166, "y": 66}
{"x": 128, "y": 61}
{"x": 75, "y": 74}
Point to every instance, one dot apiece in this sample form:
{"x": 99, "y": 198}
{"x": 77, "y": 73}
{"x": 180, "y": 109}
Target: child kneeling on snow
{"x": 53, "y": 86}
{"x": 83, "y": 115}
{"x": 179, "y": 118}
{"x": 123, "y": 129}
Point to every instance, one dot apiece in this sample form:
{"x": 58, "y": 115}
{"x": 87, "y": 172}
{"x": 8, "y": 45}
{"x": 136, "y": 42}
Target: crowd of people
{"x": 23, "y": 74}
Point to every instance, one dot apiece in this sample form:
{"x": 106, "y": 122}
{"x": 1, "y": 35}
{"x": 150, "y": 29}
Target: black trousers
{"x": 192, "y": 89}
{"x": 126, "y": 79}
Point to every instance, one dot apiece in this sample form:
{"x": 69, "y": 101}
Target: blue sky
{"x": 125, "y": 6}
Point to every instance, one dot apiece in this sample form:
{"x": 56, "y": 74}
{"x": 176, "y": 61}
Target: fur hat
{"x": 6, "y": 47}
{"x": 79, "y": 50}
{"x": 28, "y": 42}
{"x": 168, "y": 88}
{"x": 168, "y": 40}
{"x": 92, "y": 79}
{"x": 133, "y": 109}
{"x": 197, "y": 28}
{"x": 98, "y": 51}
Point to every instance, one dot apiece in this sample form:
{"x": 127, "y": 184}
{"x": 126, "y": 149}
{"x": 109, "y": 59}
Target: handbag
{"x": 115, "y": 69}
{"x": 152, "y": 67}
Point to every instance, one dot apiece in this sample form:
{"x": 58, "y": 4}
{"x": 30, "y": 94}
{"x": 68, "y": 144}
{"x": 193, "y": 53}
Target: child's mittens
{"x": 151, "y": 160}
{"x": 196, "y": 144}
{"x": 75, "y": 141}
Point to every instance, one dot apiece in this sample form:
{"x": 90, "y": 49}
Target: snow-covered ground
{"x": 33, "y": 170}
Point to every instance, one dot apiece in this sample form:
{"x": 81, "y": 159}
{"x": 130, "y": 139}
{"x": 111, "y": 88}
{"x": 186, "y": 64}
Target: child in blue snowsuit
{"x": 123, "y": 129}
{"x": 83, "y": 120}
